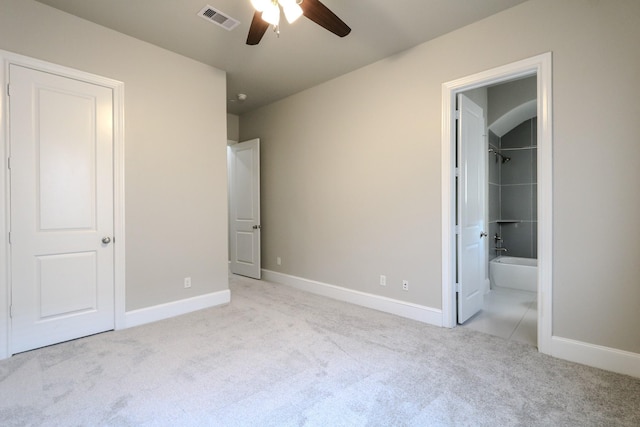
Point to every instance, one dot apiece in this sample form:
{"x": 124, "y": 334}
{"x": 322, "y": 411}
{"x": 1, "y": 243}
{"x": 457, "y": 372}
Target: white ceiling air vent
{"x": 213, "y": 15}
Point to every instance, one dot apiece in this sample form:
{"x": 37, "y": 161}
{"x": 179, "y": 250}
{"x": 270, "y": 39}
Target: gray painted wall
{"x": 175, "y": 148}
{"x": 351, "y": 168}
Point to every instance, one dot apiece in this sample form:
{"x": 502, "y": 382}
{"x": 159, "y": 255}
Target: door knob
{"x": 257, "y": 227}
{"x": 483, "y": 234}
{"x": 106, "y": 240}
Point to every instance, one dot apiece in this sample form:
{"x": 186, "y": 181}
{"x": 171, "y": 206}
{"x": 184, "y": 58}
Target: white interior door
{"x": 61, "y": 171}
{"x": 244, "y": 208}
{"x": 471, "y": 208}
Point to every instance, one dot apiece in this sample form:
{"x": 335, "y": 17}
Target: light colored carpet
{"x": 276, "y": 356}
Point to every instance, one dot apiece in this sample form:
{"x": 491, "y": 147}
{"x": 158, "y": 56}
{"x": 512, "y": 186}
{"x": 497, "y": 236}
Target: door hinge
{"x": 457, "y": 114}
{"x": 8, "y": 89}
{"x": 457, "y": 229}
{"x": 458, "y": 289}
{"x": 9, "y": 237}
{"x": 11, "y": 311}
{"x": 457, "y": 171}
{"x": 9, "y": 163}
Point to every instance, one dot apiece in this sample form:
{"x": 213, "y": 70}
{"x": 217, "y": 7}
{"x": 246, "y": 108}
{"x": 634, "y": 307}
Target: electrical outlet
{"x": 405, "y": 285}
{"x": 383, "y": 280}
{"x": 187, "y": 282}
{"x": 278, "y": 260}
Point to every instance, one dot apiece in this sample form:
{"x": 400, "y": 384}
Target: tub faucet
{"x": 500, "y": 249}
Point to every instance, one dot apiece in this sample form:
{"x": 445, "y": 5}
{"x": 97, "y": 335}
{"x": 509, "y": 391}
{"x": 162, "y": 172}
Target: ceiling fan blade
{"x": 322, "y": 16}
{"x": 257, "y": 29}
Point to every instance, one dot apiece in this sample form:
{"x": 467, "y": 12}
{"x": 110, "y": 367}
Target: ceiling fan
{"x": 268, "y": 13}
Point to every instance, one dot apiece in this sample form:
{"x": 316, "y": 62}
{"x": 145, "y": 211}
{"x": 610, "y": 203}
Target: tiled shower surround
{"x": 513, "y": 191}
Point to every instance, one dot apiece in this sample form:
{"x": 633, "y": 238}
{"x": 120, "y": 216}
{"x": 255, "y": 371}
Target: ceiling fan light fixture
{"x": 292, "y": 10}
{"x": 260, "y": 5}
{"x": 271, "y": 14}
{"x": 313, "y": 9}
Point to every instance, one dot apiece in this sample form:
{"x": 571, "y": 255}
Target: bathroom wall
{"x": 512, "y": 189}
{"x": 494, "y": 193}
{"x": 518, "y": 224}
{"x": 509, "y": 96}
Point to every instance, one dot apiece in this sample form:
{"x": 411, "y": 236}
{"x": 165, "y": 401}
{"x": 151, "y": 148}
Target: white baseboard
{"x": 607, "y": 358}
{"x": 417, "y": 312}
{"x": 175, "y": 308}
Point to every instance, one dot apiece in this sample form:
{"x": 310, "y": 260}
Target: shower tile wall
{"x": 517, "y": 183}
{"x": 494, "y": 192}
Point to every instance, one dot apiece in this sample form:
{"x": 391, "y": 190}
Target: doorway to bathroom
{"x": 509, "y": 308}
{"x": 531, "y": 218}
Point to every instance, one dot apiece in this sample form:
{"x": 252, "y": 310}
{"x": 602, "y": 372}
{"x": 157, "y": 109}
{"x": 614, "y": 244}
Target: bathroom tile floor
{"x": 510, "y": 314}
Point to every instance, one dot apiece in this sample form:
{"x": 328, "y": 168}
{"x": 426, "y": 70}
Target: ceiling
{"x": 304, "y": 54}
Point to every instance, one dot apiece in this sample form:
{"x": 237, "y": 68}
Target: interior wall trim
{"x": 597, "y": 356}
{"x": 421, "y": 313}
{"x": 610, "y": 359}
{"x": 175, "y": 308}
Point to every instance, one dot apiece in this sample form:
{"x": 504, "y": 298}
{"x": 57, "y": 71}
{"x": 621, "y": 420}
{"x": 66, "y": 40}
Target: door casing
{"x": 540, "y": 66}
{"x": 7, "y": 58}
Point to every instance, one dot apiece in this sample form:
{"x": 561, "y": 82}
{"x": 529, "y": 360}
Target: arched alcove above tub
{"x": 514, "y": 117}
{"x": 511, "y": 103}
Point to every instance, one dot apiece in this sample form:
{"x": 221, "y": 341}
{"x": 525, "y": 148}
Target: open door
{"x": 471, "y": 208}
{"x": 244, "y": 208}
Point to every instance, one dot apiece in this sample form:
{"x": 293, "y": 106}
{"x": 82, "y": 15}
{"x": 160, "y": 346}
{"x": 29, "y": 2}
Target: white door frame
{"x": 7, "y": 58}
{"x": 539, "y": 66}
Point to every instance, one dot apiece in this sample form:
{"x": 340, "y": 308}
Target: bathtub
{"x": 514, "y": 273}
